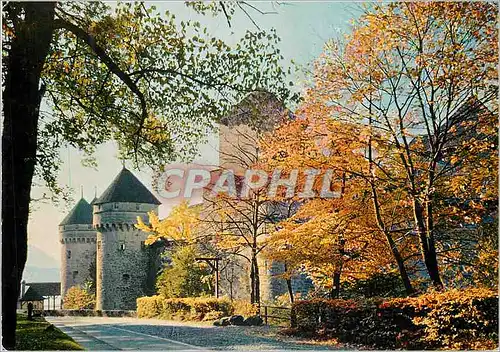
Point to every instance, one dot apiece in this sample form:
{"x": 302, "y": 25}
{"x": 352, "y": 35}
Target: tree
{"x": 238, "y": 223}
{"x": 91, "y": 278}
{"x": 181, "y": 275}
{"x": 126, "y": 74}
{"x": 184, "y": 276}
{"x": 313, "y": 141}
{"x": 406, "y": 77}
{"x": 78, "y": 298}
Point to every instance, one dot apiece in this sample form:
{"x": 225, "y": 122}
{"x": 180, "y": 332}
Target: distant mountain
{"x": 41, "y": 259}
{"x": 41, "y": 267}
{"x": 37, "y": 274}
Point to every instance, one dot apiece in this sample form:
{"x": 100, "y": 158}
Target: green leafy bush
{"x": 197, "y": 308}
{"x": 184, "y": 276}
{"x": 466, "y": 319}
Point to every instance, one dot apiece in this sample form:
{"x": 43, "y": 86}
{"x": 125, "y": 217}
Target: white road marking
{"x": 162, "y": 338}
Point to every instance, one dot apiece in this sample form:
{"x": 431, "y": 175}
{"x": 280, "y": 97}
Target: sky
{"x": 303, "y": 27}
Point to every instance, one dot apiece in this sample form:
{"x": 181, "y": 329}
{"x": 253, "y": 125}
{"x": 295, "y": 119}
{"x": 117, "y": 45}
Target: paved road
{"x": 99, "y": 333}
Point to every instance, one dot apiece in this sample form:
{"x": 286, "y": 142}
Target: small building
{"x": 50, "y": 291}
{"x": 31, "y": 295}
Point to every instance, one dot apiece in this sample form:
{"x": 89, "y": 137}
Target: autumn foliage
{"x": 78, "y": 298}
{"x": 403, "y": 110}
{"x": 451, "y": 320}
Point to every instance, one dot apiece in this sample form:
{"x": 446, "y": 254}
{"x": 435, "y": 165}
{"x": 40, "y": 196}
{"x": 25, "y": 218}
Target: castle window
{"x": 68, "y": 254}
{"x": 126, "y": 278}
{"x": 75, "y": 273}
{"x": 143, "y": 245}
{"x": 115, "y": 205}
{"x": 137, "y": 206}
{"x": 89, "y": 227}
{"x": 122, "y": 246}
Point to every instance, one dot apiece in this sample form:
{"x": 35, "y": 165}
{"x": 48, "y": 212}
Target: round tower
{"x": 122, "y": 259}
{"x": 78, "y": 246}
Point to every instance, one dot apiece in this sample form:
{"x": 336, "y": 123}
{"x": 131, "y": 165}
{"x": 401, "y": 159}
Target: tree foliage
{"x": 78, "y": 298}
{"x": 178, "y": 227}
{"x": 402, "y": 109}
{"x": 152, "y": 84}
{"x": 184, "y": 276}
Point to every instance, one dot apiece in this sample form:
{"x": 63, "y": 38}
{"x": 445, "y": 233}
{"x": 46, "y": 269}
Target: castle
{"x": 100, "y": 242}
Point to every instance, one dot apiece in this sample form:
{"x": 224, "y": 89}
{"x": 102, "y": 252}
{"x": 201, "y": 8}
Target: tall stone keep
{"x": 122, "y": 259}
{"x": 78, "y": 246}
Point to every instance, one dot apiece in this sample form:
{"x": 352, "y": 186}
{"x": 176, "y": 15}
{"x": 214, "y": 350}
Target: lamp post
{"x": 214, "y": 264}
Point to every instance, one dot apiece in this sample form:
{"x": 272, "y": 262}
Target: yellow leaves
{"x": 66, "y": 66}
{"x": 180, "y": 225}
{"x": 78, "y": 298}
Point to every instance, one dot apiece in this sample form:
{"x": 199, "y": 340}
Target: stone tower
{"x": 78, "y": 250}
{"x": 123, "y": 261}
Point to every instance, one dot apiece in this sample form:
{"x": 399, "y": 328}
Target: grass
{"x": 38, "y": 334}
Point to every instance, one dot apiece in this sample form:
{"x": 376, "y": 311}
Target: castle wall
{"x": 234, "y": 142}
{"x": 122, "y": 258}
{"x": 78, "y": 251}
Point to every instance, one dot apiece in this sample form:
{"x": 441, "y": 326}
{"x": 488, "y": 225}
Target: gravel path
{"x": 95, "y": 333}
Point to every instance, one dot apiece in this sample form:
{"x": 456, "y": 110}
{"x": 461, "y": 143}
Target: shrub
{"x": 455, "y": 319}
{"x": 244, "y": 308}
{"x": 78, "y": 298}
{"x": 196, "y": 308}
{"x": 149, "y": 307}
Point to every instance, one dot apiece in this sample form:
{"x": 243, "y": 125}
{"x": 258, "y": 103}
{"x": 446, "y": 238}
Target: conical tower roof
{"x": 128, "y": 189}
{"x": 80, "y": 214}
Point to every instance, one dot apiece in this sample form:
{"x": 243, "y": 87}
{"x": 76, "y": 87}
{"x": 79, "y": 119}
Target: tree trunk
{"x": 252, "y": 283}
{"x": 290, "y": 289}
{"x": 427, "y": 245}
{"x": 392, "y": 245}
{"x": 21, "y": 103}
{"x": 401, "y": 266}
{"x": 289, "y": 284}
{"x": 256, "y": 280}
{"x": 335, "y": 291}
{"x": 380, "y": 222}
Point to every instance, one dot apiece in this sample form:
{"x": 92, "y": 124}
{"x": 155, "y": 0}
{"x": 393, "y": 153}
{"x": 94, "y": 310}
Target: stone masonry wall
{"x": 78, "y": 250}
{"x": 122, "y": 258}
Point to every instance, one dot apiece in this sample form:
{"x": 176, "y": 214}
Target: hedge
{"x": 197, "y": 308}
{"x": 90, "y": 313}
{"x": 457, "y": 319}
